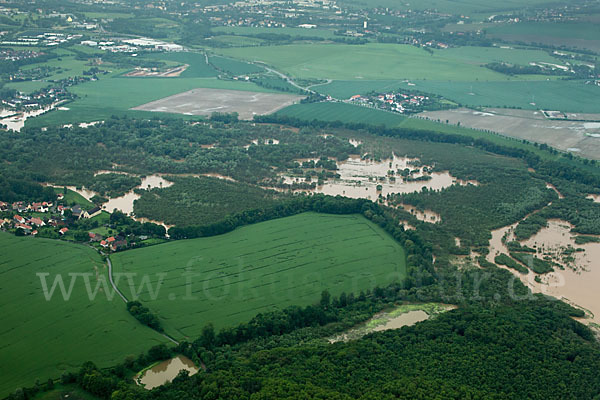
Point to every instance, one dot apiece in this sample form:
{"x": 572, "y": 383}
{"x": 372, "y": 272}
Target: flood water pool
{"x": 165, "y": 372}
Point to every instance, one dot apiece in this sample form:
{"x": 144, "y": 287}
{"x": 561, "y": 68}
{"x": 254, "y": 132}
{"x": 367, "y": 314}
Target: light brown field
{"x": 582, "y": 138}
{"x": 207, "y": 101}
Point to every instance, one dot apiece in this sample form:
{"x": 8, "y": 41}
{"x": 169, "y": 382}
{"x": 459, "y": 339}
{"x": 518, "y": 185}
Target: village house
{"x": 25, "y": 227}
{"x": 77, "y": 211}
{"x": 92, "y": 213}
{"x": 118, "y": 245}
{"x": 3, "y": 206}
{"x": 62, "y": 231}
{"x": 19, "y": 206}
{"x": 94, "y": 237}
{"x": 19, "y": 219}
{"x": 37, "y": 221}
{"x": 39, "y": 207}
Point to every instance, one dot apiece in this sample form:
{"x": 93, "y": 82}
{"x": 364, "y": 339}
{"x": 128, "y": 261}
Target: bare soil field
{"x": 170, "y": 73}
{"x": 579, "y": 137}
{"x": 207, "y": 101}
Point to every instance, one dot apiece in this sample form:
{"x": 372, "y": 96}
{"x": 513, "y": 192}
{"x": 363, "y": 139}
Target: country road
{"x": 283, "y": 76}
{"x": 110, "y": 278}
{"x": 116, "y": 289}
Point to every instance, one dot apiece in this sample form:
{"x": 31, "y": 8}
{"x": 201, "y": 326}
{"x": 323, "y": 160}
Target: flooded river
{"x": 577, "y": 283}
{"x": 125, "y": 202}
{"x": 368, "y": 179}
{"x": 15, "y": 120}
{"x": 165, "y": 372}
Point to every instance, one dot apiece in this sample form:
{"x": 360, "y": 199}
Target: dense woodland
{"x": 201, "y": 201}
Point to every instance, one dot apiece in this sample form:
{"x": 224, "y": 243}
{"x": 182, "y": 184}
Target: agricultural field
{"x": 579, "y": 137}
{"x": 573, "y": 96}
{"x": 383, "y": 61}
{"x": 27, "y": 86}
{"x": 101, "y": 99}
{"x": 347, "y": 113}
{"x": 450, "y": 6}
{"x": 234, "y": 67}
{"x": 262, "y": 267}
{"x": 235, "y": 41}
{"x": 197, "y": 66}
{"x": 207, "y": 101}
{"x": 357, "y": 114}
{"x": 68, "y": 65}
{"x": 577, "y": 34}
{"x": 294, "y": 32}
{"x": 50, "y": 337}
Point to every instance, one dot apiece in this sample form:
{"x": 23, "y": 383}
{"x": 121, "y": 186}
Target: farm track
{"x": 116, "y": 289}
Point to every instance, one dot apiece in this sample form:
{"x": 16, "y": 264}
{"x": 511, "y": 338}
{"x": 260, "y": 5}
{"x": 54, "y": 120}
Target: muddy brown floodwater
{"x": 577, "y": 283}
{"x": 165, "y": 372}
{"x": 595, "y": 197}
{"x": 125, "y": 202}
{"x": 406, "y": 319}
{"x": 368, "y": 179}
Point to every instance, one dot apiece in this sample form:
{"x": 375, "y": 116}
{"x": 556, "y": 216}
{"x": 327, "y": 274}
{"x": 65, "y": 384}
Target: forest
{"x": 492, "y": 347}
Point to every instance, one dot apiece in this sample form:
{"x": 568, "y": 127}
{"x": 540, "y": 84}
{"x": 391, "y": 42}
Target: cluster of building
{"x": 404, "y": 103}
{"x": 26, "y": 217}
{"x": 274, "y": 14}
{"x": 52, "y": 94}
{"x": 18, "y": 55}
{"x": 132, "y": 45}
{"x": 49, "y": 39}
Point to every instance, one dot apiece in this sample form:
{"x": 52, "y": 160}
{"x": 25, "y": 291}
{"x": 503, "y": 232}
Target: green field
{"x": 234, "y": 67}
{"x": 72, "y": 197}
{"x": 198, "y": 68}
{"x": 69, "y": 67}
{"x": 49, "y": 337}
{"x": 568, "y": 96}
{"x": 262, "y": 267}
{"x": 347, "y": 113}
{"x": 573, "y": 34}
{"x": 456, "y": 7}
{"x": 294, "y": 32}
{"x": 384, "y": 61}
{"x": 101, "y": 99}
{"x": 233, "y": 40}
{"x": 27, "y": 87}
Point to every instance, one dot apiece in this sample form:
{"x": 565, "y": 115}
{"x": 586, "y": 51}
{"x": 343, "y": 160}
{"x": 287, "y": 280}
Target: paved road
{"x": 284, "y": 77}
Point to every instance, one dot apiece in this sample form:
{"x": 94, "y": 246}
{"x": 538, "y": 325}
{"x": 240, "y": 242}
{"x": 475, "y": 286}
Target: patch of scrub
{"x": 404, "y": 315}
{"x": 164, "y": 372}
